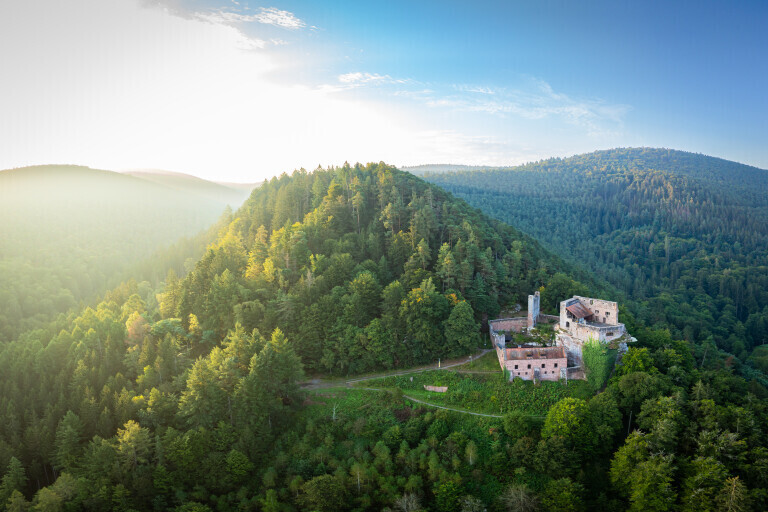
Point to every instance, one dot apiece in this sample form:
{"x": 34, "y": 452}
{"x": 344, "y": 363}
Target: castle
{"x": 581, "y": 319}
{"x": 585, "y": 318}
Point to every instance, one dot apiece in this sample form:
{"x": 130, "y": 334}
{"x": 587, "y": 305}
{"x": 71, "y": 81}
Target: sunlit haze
{"x": 240, "y": 91}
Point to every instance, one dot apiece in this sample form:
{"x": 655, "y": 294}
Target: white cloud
{"x": 359, "y": 78}
{"x": 111, "y": 84}
{"x": 266, "y": 15}
{"x": 129, "y": 84}
{"x": 362, "y": 78}
{"x": 474, "y": 89}
{"x": 538, "y": 102}
{"x": 274, "y": 16}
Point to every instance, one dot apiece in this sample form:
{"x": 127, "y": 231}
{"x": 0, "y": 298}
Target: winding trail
{"x": 324, "y": 384}
{"x": 451, "y": 408}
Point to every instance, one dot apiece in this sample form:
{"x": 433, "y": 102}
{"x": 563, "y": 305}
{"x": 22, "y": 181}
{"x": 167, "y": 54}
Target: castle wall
{"x": 565, "y": 322}
{"x": 602, "y": 333}
{"x": 509, "y": 324}
{"x": 604, "y": 311}
{"x": 548, "y": 369}
{"x": 572, "y": 349}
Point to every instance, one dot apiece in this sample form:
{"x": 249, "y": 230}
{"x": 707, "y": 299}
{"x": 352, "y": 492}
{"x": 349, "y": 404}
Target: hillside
{"x": 349, "y": 270}
{"x": 188, "y": 397}
{"x": 685, "y": 236}
{"x": 229, "y": 194}
{"x": 341, "y": 250}
{"x": 67, "y": 233}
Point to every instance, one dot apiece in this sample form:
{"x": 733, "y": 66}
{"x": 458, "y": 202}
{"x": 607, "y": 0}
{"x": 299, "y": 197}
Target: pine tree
{"x": 15, "y": 479}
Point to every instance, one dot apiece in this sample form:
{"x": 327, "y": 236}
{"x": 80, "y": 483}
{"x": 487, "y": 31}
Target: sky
{"x": 242, "y": 90}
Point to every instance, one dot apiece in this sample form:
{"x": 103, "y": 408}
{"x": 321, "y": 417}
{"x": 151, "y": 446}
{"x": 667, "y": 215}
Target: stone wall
{"x": 601, "y": 333}
{"x": 572, "y": 348}
{"x": 605, "y": 311}
{"x": 509, "y": 324}
{"x": 544, "y": 363}
{"x": 565, "y": 322}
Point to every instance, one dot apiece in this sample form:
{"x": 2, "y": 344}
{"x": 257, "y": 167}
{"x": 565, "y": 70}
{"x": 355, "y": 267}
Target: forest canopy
{"x": 189, "y": 396}
{"x": 684, "y": 236}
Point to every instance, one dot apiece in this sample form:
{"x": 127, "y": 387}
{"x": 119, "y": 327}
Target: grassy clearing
{"x": 490, "y": 394}
{"x": 348, "y": 402}
{"x": 486, "y": 363}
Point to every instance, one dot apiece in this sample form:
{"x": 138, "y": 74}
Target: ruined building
{"x": 527, "y": 362}
{"x": 581, "y": 319}
{"x": 584, "y": 318}
{"x": 533, "y": 363}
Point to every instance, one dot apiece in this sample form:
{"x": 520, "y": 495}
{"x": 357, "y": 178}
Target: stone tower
{"x": 533, "y": 309}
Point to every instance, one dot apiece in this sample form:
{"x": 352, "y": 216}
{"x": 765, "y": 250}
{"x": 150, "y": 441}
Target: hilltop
{"x": 324, "y": 246}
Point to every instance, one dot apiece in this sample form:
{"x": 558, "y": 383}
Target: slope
{"x": 135, "y": 405}
{"x": 67, "y": 232}
{"x": 341, "y": 250}
{"x": 684, "y": 235}
{"x": 192, "y": 185}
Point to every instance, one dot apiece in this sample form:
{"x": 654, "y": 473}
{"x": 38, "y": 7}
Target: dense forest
{"x": 69, "y": 233}
{"x": 362, "y": 267}
{"x": 188, "y": 396}
{"x": 684, "y": 236}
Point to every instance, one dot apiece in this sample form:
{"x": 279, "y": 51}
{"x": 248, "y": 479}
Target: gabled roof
{"x": 578, "y": 310}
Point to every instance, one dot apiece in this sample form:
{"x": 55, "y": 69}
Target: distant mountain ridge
{"x": 68, "y": 232}
{"x": 421, "y": 170}
{"x": 232, "y": 194}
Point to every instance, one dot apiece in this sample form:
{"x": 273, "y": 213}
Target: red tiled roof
{"x": 578, "y": 310}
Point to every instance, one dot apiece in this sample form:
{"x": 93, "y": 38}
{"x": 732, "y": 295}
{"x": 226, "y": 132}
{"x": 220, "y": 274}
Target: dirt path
{"x": 422, "y": 402}
{"x": 451, "y": 408}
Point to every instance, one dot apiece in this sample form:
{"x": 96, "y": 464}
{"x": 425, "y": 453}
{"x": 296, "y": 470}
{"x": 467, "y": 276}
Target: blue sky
{"x": 241, "y": 90}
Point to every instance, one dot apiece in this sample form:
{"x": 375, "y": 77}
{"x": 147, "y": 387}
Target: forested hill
{"x": 140, "y": 404}
{"x": 67, "y": 233}
{"x": 187, "y": 397}
{"x": 362, "y": 267}
{"x": 684, "y": 235}
{"x": 232, "y": 195}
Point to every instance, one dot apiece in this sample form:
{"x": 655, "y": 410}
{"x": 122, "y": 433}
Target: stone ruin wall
{"x": 549, "y": 372}
{"x": 605, "y": 311}
{"x": 509, "y": 324}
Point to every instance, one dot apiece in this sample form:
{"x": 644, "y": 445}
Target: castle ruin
{"x": 585, "y": 318}
{"x": 581, "y": 319}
